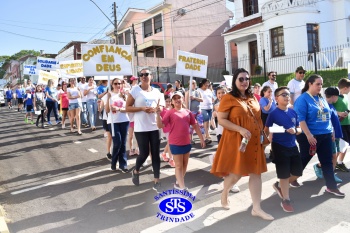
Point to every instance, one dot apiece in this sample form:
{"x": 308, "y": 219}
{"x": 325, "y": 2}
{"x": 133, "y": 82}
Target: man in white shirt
{"x": 297, "y": 84}
{"x": 271, "y": 82}
{"x": 81, "y": 85}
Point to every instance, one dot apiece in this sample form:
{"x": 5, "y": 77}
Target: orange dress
{"x": 228, "y": 158}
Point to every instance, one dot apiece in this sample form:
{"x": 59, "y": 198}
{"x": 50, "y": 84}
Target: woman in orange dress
{"x": 235, "y": 114}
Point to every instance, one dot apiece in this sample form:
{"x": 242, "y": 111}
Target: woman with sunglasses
{"x": 74, "y": 108}
{"x": 239, "y": 115}
{"x": 143, "y": 100}
{"x": 119, "y": 120}
{"x": 315, "y": 121}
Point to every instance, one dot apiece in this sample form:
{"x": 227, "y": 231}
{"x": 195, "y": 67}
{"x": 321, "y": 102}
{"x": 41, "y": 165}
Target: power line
{"x": 33, "y": 37}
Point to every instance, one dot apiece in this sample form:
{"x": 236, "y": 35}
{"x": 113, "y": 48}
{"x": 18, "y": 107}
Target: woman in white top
{"x": 143, "y": 100}
{"x": 90, "y": 92}
{"x": 119, "y": 120}
{"x": 74, "y": 95}
{"x": 206, "y": 106}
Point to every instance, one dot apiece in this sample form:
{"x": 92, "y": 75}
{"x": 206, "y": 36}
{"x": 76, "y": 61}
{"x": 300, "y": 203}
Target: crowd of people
{"x": 242, "y": 115}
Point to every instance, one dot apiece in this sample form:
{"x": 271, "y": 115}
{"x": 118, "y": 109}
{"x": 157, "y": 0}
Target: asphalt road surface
{"x": 54, "y": 181}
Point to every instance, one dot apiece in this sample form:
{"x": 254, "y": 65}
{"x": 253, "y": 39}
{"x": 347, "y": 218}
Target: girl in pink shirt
{"x": 179, "y": 120}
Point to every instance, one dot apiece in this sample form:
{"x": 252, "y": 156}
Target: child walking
{"x": 179, "y": 120}
{"x": 39, "y": 104}
{"x": 29, "y": 103}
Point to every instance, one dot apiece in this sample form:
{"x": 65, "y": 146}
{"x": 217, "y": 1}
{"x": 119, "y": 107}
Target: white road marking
{"x": 92, "y": 150}
{"x": 77, "y": 142}
{"x": 341, "y": 227}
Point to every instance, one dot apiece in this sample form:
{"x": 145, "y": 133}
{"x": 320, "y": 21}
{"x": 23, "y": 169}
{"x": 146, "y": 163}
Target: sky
{"x": 49, "y": 25}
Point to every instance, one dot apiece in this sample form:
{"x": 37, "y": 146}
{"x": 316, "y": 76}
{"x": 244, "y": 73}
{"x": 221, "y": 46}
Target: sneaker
{"x": 278, "y": 190}
{"x": 337, "y": 179}
{"x": 286, "y": 206}
{"x": 49, "y": 123}
{"x": 135, "y": 178}
{"x": 157, "y": 186}
{"x": 235, "y": 189}
{"x": 295, "y": 184}
{"x": 208, "y": 141}
{"x": 164, "y": 157}
{"x": 58, "y": 122}
{"x": 32, "y": 122}
{"x": 318, "y": 171}
{"x": 335, "y": 192}
{"x": 26, "y": 120}
{"x": 63, "y": 126}
{"x": 341, "y": 167}
{"x": 131, "y": 152}
{"x": 109, "y": 156}
{"x": 171, "y": 163}
{"x": 124, "y": 170}
{"x": 176, "y": 186}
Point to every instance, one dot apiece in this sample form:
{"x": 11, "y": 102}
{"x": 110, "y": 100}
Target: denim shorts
{"x": 73, "y": 106}
{"x": 179, "y": 150}
{"x": 207, "y": 113}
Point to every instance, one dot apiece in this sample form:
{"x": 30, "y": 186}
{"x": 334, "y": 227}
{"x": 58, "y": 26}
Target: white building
{"x": 286, "y": 28}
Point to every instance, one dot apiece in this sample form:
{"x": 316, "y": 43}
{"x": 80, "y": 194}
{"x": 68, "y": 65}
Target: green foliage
{"x": 330, "y": 77}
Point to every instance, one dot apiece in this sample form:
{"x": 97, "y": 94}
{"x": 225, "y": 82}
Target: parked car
{"x": 160, "y": 86}
{"x": 2, "y": 98}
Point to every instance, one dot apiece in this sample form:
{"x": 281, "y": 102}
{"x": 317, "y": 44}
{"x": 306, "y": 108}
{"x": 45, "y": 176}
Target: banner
{"x": 191, "y": 64}
{"x": 71, "y": 69}
{"x": 106, "y": 59}
{"x": 29, "y": 70}
{"x": 44, "y": 63}
{"x": 44, "y": 76}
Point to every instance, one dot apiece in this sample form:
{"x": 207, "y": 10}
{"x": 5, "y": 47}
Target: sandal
{"x": 80, "y": 133}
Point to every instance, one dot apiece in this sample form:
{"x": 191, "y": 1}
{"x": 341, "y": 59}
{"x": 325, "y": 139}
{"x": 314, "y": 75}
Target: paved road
{"x": 55, "y": 181}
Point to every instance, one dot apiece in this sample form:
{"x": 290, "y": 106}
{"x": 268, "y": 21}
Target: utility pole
{"x": 115, "y": 23}
{"x": 135, "y": 45}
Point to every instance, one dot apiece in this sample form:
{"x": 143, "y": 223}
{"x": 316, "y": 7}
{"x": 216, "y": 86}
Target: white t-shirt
{"x": 143, "y": 121}
{"x": 207, "y": 96}
{"x": 273, "y": 87}
{"x": 91, "y": 95}
{"x": 295, "y": 88}
{"x": 73, "y": 92}
{"x": 117, "y": 117}
{"x": 104, "y": 115}
{"x": 82, "y": 88}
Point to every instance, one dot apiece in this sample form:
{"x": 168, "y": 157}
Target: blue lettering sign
{"x": 175, "y": 206}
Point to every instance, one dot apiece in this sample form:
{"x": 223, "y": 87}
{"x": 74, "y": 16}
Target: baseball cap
{"x": 331, "y": 91}
{"x": 300, "y": 68}
{"x": 177, "y": 93}
{"x": 133, "y": 78}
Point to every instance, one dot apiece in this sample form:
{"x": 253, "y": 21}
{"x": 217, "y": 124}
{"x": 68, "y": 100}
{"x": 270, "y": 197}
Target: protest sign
{"x": 72, "y": 68}
{"x": 191, "y": 64}
{"x": 44, "y": 63}
{"x": 44, "y": 76}
{"x": 106, "y": 59}
{"x": 29, "y": 70}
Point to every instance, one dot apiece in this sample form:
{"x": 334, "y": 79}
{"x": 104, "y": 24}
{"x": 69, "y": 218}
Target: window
{"x": 277, "y": 42}
{"x": 121, "y": 39}
{"x": 157, "y": 20}
{"x": 127, "y": 37}
{"x": 312, "y": 37}
{"x": 160, "y": 52}
{"x": 149, "y": 53}
{"x": 250, "y": 7}
{"x": 147, "y": 28}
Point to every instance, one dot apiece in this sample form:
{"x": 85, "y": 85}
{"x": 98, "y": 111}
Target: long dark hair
{"x": 235, "y": 92}
{"x": 310, "y": 80}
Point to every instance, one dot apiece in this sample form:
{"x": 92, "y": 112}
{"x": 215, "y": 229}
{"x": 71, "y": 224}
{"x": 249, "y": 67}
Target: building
{"x": 175, "y": 25}
{"x": 71, "y": 51}
{"x": 286, "y": 29}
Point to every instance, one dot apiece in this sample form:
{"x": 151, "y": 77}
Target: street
{"x": 56, "y": 181}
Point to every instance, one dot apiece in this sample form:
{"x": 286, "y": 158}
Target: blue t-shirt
{"x": 264, "y": 102}
{"x": 287, "y": 119}
{"x": 29, "y": 101}
{"x": 9, "y": 94}
{"x": 19, "y": 93}
{"x": 309, "y": 111}
{"x": 52, "y": 92}
{"x": 338, "y": 133}
{"x": 101, "y": 89}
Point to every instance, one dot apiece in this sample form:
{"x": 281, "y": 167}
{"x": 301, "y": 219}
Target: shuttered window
{"x": 157, "y": 20}
{"x": 127, "y": 37}
{"x": 147, "y": 28}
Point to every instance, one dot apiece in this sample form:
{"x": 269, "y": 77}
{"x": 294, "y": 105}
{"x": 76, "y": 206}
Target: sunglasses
{"x": 273, "y": 75}
{"x": 117, "y": 83}
{"x": 144, "y": 74}
{"x": 301, "y": 72}
{"x": 241, "y": 79}
{"x": 284, "y": 95}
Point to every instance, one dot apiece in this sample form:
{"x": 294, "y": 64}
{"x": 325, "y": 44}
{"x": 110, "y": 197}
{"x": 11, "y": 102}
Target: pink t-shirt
{"x": 179, "y": 122}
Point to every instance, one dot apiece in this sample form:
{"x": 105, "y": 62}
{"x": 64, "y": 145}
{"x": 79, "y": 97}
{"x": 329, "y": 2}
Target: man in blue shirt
{"x": 9, "y": 96}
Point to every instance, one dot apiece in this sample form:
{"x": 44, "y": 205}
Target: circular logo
{"x": 175, "y": 206}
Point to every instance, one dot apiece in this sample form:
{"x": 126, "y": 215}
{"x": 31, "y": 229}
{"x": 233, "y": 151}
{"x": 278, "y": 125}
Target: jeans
{"x": 119, "y": 144}
{"x": 145, "y": 140}
{"x": 324, "y": 153}
{"x": 92, "y": 109}
{"x": 51, "y": 106}
{"x": 207, "y": 113}
{"x": 83, "y": 115}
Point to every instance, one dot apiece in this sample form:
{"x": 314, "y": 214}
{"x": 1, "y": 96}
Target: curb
{"x": 3, "y": 224}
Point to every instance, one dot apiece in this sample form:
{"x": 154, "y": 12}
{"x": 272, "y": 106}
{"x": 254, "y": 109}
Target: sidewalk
{"x": 3, "y": 224}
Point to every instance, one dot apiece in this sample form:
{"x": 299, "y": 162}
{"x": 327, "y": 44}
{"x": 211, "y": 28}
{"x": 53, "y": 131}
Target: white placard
{"x": 72, "y": 68}
{"x": 45, "y": 76}
{"x": 106, "y": 59}
{"x": 44, "y": 63}
{"x": 191, "y": 64}
{"x": 228, "y": 80}
{"x": 276, "y": 129}
{"x": 29, "y": 70}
